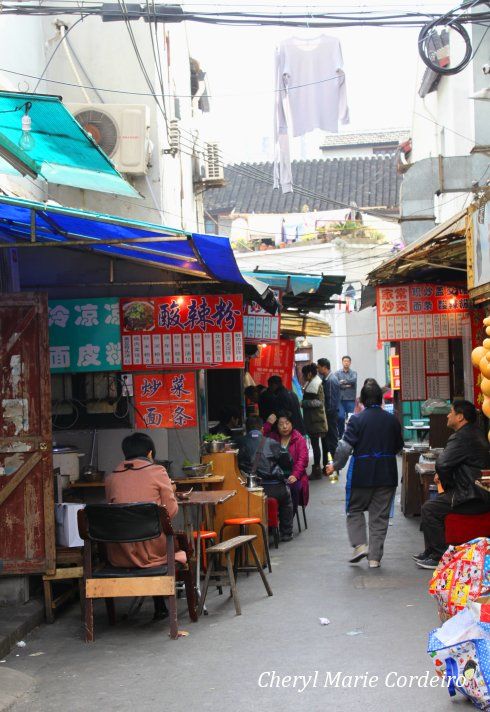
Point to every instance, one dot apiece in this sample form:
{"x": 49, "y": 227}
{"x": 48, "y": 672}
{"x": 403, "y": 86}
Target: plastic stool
{"x": 205, "y": 536}
{"x": 273, "y": 519}
{"x": 244, "y": 523}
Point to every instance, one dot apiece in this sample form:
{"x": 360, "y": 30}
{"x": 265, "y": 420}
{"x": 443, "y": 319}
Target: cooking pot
{"x": 68, "y": 461}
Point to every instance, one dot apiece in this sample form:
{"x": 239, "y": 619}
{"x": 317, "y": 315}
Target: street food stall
{"x": 112, "y": 327}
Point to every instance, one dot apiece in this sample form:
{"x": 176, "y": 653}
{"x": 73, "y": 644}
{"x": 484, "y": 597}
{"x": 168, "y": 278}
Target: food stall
{"x": 113, "y": 326}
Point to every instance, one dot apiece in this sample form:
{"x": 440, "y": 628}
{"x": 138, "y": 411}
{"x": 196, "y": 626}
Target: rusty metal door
{"x": 27, "y": 532}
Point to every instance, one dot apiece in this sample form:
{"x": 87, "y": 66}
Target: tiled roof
{"x": 370, "y": 182}
{"x": 368, "y": 138}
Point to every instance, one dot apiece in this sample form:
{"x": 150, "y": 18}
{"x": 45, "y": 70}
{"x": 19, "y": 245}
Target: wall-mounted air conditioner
{"x": 121, "y": 131}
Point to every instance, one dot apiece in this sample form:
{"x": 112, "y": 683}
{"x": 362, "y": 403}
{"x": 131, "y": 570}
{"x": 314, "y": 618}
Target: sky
{"x": 380, "y": 66}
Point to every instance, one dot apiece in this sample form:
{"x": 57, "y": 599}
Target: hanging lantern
{"x": 477, "y": 355}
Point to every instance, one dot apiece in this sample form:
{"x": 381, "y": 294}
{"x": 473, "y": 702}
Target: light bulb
{"x": 27, "y": 141}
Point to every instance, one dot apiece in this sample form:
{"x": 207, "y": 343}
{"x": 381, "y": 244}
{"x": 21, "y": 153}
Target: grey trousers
{"x": 377, "y": 502}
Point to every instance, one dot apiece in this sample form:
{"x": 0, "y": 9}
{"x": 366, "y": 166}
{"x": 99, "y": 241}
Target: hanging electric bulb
{"x": 27, "y": 142}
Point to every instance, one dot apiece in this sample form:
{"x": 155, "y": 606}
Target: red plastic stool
{"x": 273, "y": 519}
{"x": 460, "y": 528}
{"x": 205, "y": 536}
{"x": 244, "y": 523}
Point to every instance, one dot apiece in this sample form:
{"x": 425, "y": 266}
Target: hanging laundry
{"x": 310, "y": 94}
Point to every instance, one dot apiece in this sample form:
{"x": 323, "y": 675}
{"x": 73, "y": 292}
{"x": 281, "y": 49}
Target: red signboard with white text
{"x": 165, "y": 400}
{"x": 420, "y": 311}
{"x": 182, "y": 331}
{"x": 274, "y": 360}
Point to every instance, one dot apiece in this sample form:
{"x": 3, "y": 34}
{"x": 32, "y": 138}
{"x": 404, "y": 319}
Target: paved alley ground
{"x": 379, "y": 620}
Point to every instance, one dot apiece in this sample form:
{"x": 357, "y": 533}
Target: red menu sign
{"x": 274, "y": 360}
{"x": 420, "y": 311}
{"x": 165, "y": 400}
{"x": 395, "y": 380}
{"x": 182, "y": 331}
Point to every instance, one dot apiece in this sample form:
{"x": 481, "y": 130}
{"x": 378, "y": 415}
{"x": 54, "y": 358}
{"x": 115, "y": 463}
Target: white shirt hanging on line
{"x": 310, "y": 94}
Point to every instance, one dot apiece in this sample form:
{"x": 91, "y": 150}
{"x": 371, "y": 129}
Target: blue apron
{"x": 350, "y": 472}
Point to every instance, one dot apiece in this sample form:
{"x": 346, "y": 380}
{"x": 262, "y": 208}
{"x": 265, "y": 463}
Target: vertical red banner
{"x": 274, "y": 360}
{"x": 165, "y": 400}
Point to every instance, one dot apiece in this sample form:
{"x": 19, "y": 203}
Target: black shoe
{"x": 424, "y": 555}
{"x": 428, "y": 563}
{"x": 287, "y": 537}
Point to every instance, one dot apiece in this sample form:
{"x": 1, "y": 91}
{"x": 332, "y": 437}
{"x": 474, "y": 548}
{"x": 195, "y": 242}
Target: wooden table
{"x": 200, "y": 500}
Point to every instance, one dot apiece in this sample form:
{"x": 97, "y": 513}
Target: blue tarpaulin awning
{"x": 29, "y": 224}
{"x": 59, "y": 149}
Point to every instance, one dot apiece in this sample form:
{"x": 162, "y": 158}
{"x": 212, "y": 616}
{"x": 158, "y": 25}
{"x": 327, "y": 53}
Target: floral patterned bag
{"x": 463, "y": 575}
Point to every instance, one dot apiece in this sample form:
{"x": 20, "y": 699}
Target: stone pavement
{"x": 379, "y": 620}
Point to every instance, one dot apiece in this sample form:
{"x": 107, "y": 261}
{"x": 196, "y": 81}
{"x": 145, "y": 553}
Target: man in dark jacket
{"x": 277, "y": 398}
{"x": 372, "y": 438}
{"x": 457, "y": 468}
{"x": 273, "y": 464}
{"x": 331, "y": 393}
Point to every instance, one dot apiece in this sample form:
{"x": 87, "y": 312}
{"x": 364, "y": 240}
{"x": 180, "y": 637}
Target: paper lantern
{"x": 477, "y": 355}
{"x": 486, "y": 406}
{"x": 486, "y": 344}
{"x": 485, "y": 387}
{"x": 484, "y": 366}
{"x": 486, "y": 321}
{"x": 487, "y": 330}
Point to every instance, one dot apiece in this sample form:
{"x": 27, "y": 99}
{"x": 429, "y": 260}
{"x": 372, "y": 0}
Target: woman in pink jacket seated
{"x": 280, "y": 428}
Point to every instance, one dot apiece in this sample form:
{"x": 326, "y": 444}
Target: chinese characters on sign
{"x": 395, "y": 373}
{"x": 182, "y": 331}
{"x": 274, "y": 360}
{"x": 258, "y": 325}
{"x": 84, "y": 335}
{"x": 420, "y": 311}
{"x": 165, "y": 400}
{"x": 424, "y": 369}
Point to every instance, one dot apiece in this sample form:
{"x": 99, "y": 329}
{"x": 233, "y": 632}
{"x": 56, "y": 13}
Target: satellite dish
{"x": 101, "y": 127}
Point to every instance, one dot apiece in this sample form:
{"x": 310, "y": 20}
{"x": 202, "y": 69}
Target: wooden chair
{"x": 68, "y": 568}
{"x": 126, "y": 523}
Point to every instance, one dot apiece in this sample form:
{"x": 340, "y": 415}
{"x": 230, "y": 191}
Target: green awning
{"x": 61, "y": 152}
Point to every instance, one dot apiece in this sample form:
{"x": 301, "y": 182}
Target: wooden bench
{"x": 225, "y": 548}
{"x": 68, "y": 567}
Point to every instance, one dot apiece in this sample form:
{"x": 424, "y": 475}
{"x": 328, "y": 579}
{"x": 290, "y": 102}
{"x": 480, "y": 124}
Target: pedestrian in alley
{"x": 347, "y": 379}
{"x": 331, "y": 393}
{"x": 372, "y": 438}
{"x": 313, "y": 405}
{"x": 277, "y": 398}
{"x": 466, "y": 454}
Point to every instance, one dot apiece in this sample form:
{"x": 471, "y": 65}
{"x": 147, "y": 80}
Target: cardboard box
{"x": 67, "y": 525}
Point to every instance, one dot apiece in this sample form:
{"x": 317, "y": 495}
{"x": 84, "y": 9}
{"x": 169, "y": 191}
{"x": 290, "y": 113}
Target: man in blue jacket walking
{"x": 372, "y": 438}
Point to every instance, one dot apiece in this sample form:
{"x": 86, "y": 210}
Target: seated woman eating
{"x": 139, "y": 479}
{"x": 280, "y": 428}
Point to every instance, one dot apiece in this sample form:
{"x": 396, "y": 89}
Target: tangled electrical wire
{"x": 309, "y": 18}
{"x": 454, "y": 19}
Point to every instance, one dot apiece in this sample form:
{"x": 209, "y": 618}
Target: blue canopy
{"x": 28, "y": 224}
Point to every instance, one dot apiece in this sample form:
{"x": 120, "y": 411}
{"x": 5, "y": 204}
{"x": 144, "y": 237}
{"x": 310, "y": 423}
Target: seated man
{"x": 457, "y": 468}
{"x": 139, "y": 479}
{"x": 272, "y": 463}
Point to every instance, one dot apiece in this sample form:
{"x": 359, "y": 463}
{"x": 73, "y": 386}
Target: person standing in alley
{"x": 313, "y": 405}
{"x": 372, "y": 438}
{"x": 277, "y": 398}
{"x": 347, "y": 379}
{"x": 331, "y": 393}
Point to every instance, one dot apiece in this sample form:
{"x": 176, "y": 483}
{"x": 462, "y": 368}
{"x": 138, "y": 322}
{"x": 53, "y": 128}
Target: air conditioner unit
{"x": 121, "y": 131}
{"x": 213, "y": 165}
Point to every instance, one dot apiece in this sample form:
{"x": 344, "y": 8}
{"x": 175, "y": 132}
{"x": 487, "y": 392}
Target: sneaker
{"x": 359, "y": 553}
{"x": 428, "y": 563}
{"x": 423, "y": 555}
{"x": 374, "y": 564}
{"x": 287, "y": 537}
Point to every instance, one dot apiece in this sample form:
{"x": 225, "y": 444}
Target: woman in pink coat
{"x": 280, "y": 428}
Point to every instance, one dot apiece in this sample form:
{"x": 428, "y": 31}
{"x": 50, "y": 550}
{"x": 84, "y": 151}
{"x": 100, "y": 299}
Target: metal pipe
{"x": 123, "y": 284}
